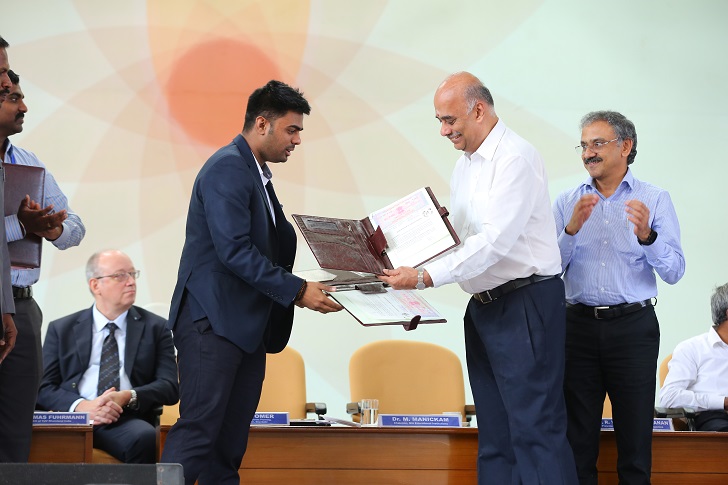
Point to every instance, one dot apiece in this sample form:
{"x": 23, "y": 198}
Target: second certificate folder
{"x": 408, "y": 232}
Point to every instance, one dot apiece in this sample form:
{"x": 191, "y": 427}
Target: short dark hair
{"x": 3, "y": 43}
{"x": 623, "y": 128}
{"x": 273, "y": 101}
{"x": 14, "y": 78}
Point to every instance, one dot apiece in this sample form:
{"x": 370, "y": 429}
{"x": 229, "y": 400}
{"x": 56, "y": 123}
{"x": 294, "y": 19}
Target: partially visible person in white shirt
{"x": 698, "y": 371}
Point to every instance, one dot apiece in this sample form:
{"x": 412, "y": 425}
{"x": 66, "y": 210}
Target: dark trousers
{"x": 712, "y": 421}
{"x": 515, "y": 356}
{"x": 220, "y": 388}
{"x": 130, "y": 439}
{"x": 617, "y": 356}
{"x": 20, "y": 375}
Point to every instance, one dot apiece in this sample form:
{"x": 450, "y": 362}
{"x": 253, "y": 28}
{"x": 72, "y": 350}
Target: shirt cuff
{"x": 62, "y": 241}
{"x": 439, "y": 273}
{"x": 75, "y": 405}
{"x": 716, "y": 402}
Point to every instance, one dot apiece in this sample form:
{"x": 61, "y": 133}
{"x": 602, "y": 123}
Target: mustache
{"x": 592, "y": 160}
{"x": 453, "y": 134}
{"x": 19, "y": 116}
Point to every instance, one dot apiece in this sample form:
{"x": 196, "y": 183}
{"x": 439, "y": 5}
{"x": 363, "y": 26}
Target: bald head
{"x": 465, "y": 109}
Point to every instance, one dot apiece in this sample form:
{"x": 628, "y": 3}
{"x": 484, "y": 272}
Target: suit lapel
{"x": 134, "y": 330}
{"x": 83, "y": 331}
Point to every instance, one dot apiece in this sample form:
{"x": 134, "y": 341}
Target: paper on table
{"x": 315, "y": 275}
{"x": 413, "y": 228}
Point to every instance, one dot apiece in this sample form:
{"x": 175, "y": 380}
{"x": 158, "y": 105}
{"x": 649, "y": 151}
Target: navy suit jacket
{"x": 236, "y": 263}
{"x": 149, "y": 360}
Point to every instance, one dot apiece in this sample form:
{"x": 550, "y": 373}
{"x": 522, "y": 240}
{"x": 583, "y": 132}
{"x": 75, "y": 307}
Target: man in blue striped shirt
{"x": 51, "y": 219}
{"x": 615, "y": 232}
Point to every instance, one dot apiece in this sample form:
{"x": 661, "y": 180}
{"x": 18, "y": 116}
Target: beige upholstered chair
{"x": 284, "y": 388}
{"x": 409, "y": 378}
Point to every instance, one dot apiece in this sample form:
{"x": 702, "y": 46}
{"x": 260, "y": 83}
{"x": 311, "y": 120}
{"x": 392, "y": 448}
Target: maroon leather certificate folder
{"x": 22, "y": 180}
{"x": 354, "y": 245}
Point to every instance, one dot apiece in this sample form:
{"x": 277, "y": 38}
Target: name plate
{"x": 658, "y": 424}
{"x": 270, "y": 419}
{"x": 421, "y": 420}
{"x": 60, "y": 418}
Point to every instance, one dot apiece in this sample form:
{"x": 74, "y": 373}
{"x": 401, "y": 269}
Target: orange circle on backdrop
{"x": 209, "y": 86}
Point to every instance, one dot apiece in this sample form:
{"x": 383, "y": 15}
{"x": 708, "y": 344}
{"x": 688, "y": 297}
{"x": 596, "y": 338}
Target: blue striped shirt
{"x": 603, "y": 263}
{"x": 73, "y": 228}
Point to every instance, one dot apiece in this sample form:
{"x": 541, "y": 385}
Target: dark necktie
{"x": 109, "y": 366}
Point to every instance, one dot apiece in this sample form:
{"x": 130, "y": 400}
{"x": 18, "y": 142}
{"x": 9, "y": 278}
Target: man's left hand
{"x": 639, "y": 215}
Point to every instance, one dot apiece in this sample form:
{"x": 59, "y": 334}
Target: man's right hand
{"x": 582, "y": 211}
{"x": 314, "y": 298}
{"x": 103, "y": 409}
{"x": 7, "y": 341}
{"x": 39, "y": 220}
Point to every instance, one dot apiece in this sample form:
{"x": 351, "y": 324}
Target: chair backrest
{"x": 284, "y": 388}
{"x": 407, "y": 377}
{"x": 663, "y": 369}
{"x": 170, "y": 414}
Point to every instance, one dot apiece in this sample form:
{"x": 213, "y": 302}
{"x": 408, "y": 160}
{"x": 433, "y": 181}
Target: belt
{"x": 22, "y": 293}
{"x": 491, "y": 295}
{"x": 607, "y": 312}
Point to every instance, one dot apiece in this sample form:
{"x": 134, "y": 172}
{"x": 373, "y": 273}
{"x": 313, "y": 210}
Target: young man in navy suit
{"x": 235, "y": 292}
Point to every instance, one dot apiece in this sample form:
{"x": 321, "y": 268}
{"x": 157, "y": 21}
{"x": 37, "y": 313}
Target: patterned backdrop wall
{"x": 128, "y": 99}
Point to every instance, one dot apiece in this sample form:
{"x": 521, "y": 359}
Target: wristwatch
{"x": 133, "y": 402}
{"x": 421, "y": 280}
{"x": 650, "y": 239}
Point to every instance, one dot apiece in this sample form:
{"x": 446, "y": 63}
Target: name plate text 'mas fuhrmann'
{"x": 421, "y": 420}
{"x": 43, "y": 418}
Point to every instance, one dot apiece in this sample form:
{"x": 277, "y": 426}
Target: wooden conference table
{"x": 343, "y": 455}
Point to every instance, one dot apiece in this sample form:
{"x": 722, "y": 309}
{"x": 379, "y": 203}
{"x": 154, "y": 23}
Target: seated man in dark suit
{"x": 114, "y": 360}
{"x": 698, "y": 371}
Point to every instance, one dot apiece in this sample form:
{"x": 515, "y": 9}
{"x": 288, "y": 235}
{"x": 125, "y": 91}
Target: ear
{"x": 261, "y": 125}
{"x": 93, "y": 286}
{"x": 480, "y": 110}
{"x": 627, "y": 147}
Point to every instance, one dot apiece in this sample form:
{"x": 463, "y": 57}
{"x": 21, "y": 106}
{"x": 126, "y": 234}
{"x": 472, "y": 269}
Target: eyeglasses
{"x": 595, "y": 147}
{"x": 120, "y": 277}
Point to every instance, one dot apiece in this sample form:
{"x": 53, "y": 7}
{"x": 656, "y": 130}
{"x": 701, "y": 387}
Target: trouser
{"x": 515, "y": 355}
{"x": 20, "y": 375}
{"x": 220, "y": 387}
{"x": 617, "y": 356}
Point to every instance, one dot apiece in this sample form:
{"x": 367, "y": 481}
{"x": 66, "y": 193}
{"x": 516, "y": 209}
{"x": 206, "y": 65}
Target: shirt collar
{"x": 628, "y": 180}
{"x": 713, "y": 337}
{"x": 265, "y": 174}
{"x": 487, "y": 149}
{"x": 100, "y": 320}
{"x": 8, "y": 150}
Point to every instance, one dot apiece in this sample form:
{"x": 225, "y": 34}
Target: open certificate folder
{"x": 408, "y": 232}
{"x": 392, "y": 307}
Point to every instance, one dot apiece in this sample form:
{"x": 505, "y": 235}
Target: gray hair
{"x": 92, "y": 265}
{"x": 623, "y": 128}
{"x": 719, "y": 304}
{"x": 477, "y": 92}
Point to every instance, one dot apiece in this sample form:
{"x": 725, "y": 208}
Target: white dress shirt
{"x": 88, "y": 385}
{"x": 500, "y": 209}
{"x": 698, "y": 374}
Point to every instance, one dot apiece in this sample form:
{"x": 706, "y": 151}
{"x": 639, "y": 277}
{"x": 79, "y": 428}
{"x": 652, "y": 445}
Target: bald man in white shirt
{"x": 509, "y": 262}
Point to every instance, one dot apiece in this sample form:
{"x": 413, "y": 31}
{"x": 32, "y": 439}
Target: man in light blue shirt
{"x": 615, "y": 232}
{"x": 51, "y": 219}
